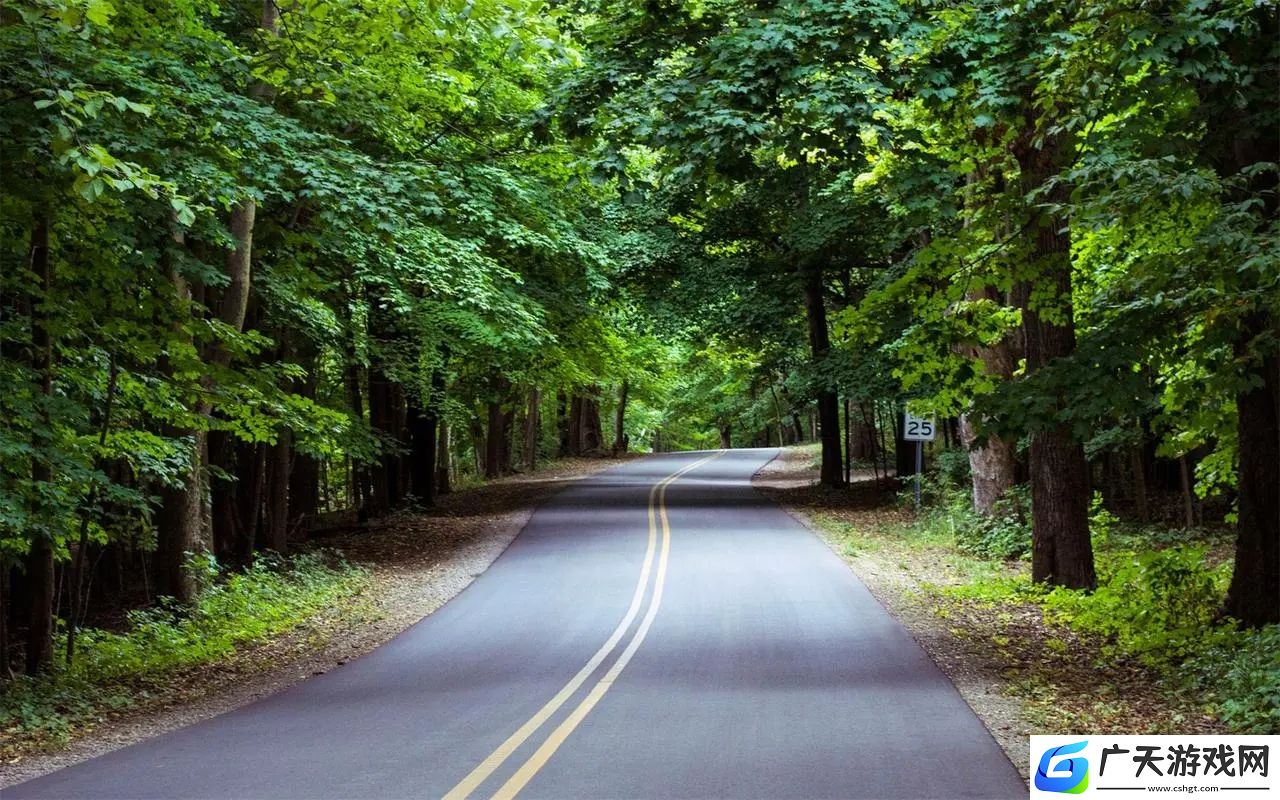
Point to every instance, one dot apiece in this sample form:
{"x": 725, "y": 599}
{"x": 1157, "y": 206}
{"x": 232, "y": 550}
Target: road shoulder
{"x": 896, "y": 585}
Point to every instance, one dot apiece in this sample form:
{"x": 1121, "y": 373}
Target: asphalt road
{"x": 644, "y": 637}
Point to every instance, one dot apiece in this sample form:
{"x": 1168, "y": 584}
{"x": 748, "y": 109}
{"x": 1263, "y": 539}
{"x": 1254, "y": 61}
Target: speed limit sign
{"x": 918, "y": 429}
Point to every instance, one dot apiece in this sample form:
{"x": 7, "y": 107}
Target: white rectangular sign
{"x": 918, "y": 429}
{"x": 1118, "y": 767}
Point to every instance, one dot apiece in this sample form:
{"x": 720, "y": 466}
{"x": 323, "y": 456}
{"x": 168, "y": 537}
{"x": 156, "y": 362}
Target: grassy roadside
{"x": 152, "y": 659}
{"x": 1142, "y": 654}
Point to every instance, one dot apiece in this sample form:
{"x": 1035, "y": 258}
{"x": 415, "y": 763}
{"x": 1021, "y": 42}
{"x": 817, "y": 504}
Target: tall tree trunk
{"x": 1137, "y": 464}
{"x": 275, "y": 519}
{"x": 1061, "y": 548}
{"x": 494, "y": 429}
{"x": 1254, "y": 595}
{"x": 620, "y": 419}
{"x": 1249, "y": 136}
{"x": 862, "y": 447}
{"x": 828, "y": 404}
{"x": 251, "y": 473}
{"x": 39, "y": 558}
{"x": 422, "y": 429}
{"x": 383, "y": 414}
{"x": 532, "y": 428}
{"x": 1188, "y": 493}
{"x": 564, "y": 425}
{"x": 848, "y": 442}
{"x": 867, "y": 412}
{"x": 181, "y": 520}
{"x": 497, "y": 431}
{"x": 726, "y": 436}
{"x": 304, "y": 470}
{"x": 575, "y": 426}
{"x": 592, "y": 430}
{"x": 235, "y": 297}
{"x": 361, "y": 491}
{"x": 444, "y": 463}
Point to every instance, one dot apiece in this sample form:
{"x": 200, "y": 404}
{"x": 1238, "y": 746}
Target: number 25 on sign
{"x": 918, "y": 429}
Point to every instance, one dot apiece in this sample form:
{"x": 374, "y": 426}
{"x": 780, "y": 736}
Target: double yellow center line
{"x": 535, "y": 762}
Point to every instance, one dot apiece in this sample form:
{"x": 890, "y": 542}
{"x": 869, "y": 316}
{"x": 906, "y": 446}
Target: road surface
{"x": 656, "y": 631}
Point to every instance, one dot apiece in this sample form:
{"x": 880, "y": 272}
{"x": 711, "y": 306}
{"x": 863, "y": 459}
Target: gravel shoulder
{"x": 418, "y": 560}
{"x": 895, "y": 581}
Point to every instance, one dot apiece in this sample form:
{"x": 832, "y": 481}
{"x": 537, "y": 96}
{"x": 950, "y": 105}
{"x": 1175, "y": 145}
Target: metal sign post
{"x": 918, "y": 430}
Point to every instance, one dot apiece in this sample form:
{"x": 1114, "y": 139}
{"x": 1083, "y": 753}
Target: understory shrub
{"x": 1161, "y": 607}
{"x": 1242, "y": 674}
{"x": 113, "y": 669}
{"x": 1156, "y": 605}
{"x": 1004, "y": 534}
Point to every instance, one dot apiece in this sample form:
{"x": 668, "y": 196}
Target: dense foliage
{"x": 264, "y": 264}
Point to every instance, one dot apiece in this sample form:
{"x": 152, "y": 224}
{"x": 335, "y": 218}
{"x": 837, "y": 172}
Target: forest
{"x": 271, "y": 264}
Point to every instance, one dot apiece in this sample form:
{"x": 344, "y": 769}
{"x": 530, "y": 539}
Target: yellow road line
{"x": 495, "y": 759}
{"x": 544, "y": 753}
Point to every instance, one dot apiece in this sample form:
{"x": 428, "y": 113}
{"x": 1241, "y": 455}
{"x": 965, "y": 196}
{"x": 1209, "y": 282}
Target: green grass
{"x": 113, "y": 670}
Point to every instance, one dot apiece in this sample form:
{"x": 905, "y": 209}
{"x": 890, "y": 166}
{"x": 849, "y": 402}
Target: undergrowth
{"x": 1157, "y": 602}
{"x": 113, "y": 670}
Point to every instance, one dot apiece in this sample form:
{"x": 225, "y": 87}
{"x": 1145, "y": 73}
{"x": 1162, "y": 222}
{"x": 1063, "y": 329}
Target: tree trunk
{"x": 251, "y": 473}
{"x": 1137, "y": 465}
{"x": 993, "y": 465}
{"x": 494, "y": 433}
{"x": 1188, "y": 494}
{"x": 444, "y": 463}
{"x": 235, "y": 297}
{"x": 422, "y": 430}
{"x": 575, "y": 426}
{"x": 181, "y": 520}
{"x": 1251, "y": 137}
{"x": 304, "y": 471}
{"x": 1254, "y": 595}
{"x": 275, "y": 527}
{"x": 564, "y": 425}
{"x": 39, "y": 558}
{"x": 40, "y": 589}
{"x": 619, "y": 420}
{"x": 1062, "y": 551}
{"x": 532, "y": 428}
{"x": 592, "y": 430}
{"x": 726, "y": 437}
{"x": 361, "y": 491}
{"x": 383, "y": 413}
{"x": 505, "y": 443}
{"x": 828, "y": 403}
{"x": 848, "y": 442}
{"x": 863, "y": 445}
